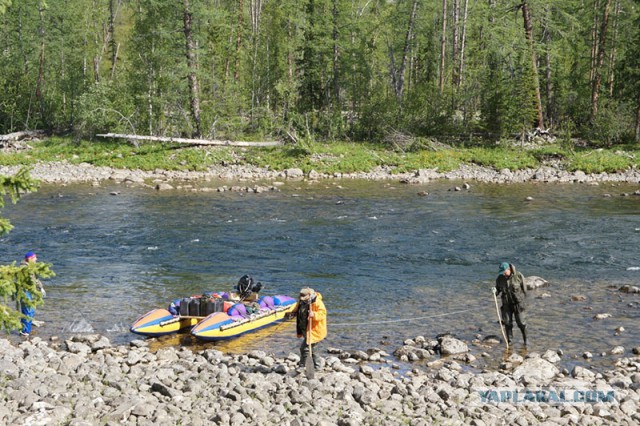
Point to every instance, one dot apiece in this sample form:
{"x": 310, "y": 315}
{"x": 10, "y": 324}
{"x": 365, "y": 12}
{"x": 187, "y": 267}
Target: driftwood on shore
{"x": 190, "y": 141}
{"x": 18, "y": 141}
{"x": 24, "y": 135}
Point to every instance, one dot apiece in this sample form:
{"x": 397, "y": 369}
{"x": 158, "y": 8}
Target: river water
{"x": 391, "y": 264}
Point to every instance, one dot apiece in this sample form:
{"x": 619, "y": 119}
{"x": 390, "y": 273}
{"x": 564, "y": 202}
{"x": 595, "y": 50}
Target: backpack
{"x": 246, "y": 286}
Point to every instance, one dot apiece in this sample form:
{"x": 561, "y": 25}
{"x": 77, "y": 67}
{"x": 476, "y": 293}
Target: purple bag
{"x": 238, "y": 309}
{"x": 266, "y": 302}
{"x": 282, "y": 300}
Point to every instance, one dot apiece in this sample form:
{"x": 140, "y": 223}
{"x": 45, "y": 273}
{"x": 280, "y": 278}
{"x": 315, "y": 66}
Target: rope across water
{"x": 404, "y": 319}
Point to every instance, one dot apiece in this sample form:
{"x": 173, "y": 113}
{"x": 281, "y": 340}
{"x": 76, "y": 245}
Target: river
{"x": 391, "y": 264}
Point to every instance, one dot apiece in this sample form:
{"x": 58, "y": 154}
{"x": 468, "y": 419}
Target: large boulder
{"x": 629, "y": 289}
{"x": 532, "y": 282}
{"x": 535, "y": 370}
{"x": 294, "y": 173}
{"x": 452, "y": 346}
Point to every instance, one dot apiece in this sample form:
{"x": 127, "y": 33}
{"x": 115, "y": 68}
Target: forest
{"x": 322, "y": 70}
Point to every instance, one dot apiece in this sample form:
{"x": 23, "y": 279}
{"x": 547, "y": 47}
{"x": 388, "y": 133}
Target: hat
{"x": 307, "y": 293}
{"x": 29, "y": 255}
{"x": 503, "y": 267}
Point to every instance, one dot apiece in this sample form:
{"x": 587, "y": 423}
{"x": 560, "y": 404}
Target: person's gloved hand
{"x": 493, "y": 290}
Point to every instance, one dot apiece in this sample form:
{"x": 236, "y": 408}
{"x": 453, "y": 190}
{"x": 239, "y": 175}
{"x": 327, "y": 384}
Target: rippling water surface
{"x": 391, "y": 264}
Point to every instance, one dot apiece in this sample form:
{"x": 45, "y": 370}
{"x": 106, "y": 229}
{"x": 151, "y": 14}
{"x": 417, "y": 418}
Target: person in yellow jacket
{"x": 311, "y": 323}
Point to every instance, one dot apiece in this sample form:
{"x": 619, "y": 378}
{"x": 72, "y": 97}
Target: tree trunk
{"x": 638, "y": 121}
{"x": 63, "y": 64}
{"x": 594, "y": 40}
{"x": 113, "y": 12}
{"x": 528, "y": 29}
{"x": 40, "y": 81}
{"x": 255, "y": 9}
{"x": 289, "y": 51}
{"x": 443, "y": 45}
{"x": 463, "y": 40}
{"x": 236, "y": 73}
{"x": 192, "y": 67}
{"x": 549, "y": 71}
{"x": 405, "y": 52}
{"x": 597, "y": 80}
{"x": 455, "y": 75}
{"x": 290, "y": 64}
{"x": 336, "y": 56}
{"x": 614, "y": 49}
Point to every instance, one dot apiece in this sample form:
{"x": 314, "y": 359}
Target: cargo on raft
{"x": 214, "y": 316}
{"x": 240, "y": 320}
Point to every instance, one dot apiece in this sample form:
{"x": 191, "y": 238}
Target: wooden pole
{"x": 506, "y": 341}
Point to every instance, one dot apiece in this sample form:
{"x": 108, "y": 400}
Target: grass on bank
{"x": 335, "y": 157}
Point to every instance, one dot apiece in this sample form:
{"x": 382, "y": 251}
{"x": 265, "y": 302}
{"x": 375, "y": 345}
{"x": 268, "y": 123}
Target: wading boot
{"x": 524, "y": 334}
{"x": 509, "y": 331}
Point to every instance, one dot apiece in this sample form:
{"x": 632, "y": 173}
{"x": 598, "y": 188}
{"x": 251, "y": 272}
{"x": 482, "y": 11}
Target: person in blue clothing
{"x": 29, "y": 311}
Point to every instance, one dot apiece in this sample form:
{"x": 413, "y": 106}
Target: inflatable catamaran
{"x": 217, "y": 316}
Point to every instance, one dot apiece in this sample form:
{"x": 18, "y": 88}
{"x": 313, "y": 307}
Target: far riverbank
{"x": 67, "y": 173}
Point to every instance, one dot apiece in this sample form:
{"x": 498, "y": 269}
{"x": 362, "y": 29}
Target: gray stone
{"x": 629, "y": 407}
{"x": 78, "y": 347}
{"x": 451, "y": 346}
{"x": 163, "y": 186}
{"x": 102, "y": 343}
{"x": 533, "y": 370}
{"x": 602, "y": 316}
{"x": 618, "y": 350}
{"x": 294, "y": 173}
{"x": 532, "y": 282}
{"x": 582, "y": 373}
{"x": 551, "y": 356}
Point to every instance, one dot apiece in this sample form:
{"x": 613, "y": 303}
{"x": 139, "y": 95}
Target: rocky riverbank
{"x": 66, "y": 173}
{"x": 87, "y": 381}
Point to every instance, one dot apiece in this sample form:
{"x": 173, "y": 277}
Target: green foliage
{"x": 602, "y": 161}
{"x": 565, "y": 138}
{"x": 323, "y": 69}
{"x": 560, "y": 152}
{"x": 335, "y": 157}
{"x": 443, "y": 161}
{"x": 16, "y": 280}
{"x": 502, "y": 158}
{"x": 103, "y": 110}
{"x": 611, "y": 125}
{"x": 13, "y": 187}
{"x": 110, "y": 153}
{"x": 3, "y": 6}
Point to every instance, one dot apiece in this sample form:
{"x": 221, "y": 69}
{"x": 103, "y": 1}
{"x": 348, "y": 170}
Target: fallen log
{"x": 189, "y": 141}
{"x": 19, "y": 136}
